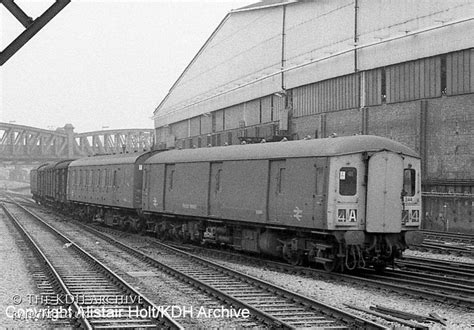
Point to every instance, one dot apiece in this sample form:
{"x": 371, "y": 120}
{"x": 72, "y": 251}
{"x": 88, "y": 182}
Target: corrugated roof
{"x": 108, "y": 159}
{"x": 289, "y": 149}
{"x": 263, "y": 4}
{"x": 258, "y": 5}
{"x": 63, "y": 163}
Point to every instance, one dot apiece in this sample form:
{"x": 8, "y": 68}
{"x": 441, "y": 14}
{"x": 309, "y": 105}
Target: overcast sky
{"x": 102, "y": 64}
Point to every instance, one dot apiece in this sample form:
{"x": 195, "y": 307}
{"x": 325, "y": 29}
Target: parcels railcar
{"x": 343, "y": 202}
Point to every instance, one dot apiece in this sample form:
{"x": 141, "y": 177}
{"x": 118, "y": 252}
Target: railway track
{"x": 416, "y": 288}
{"x": 274, "y": 306}
{"x": 459, "y": 291}
{"x": 452, "y": 237}
{"x": 436, "y": 266}
{"x": 452, "y": 290}
{"x": 445, "y": 242}
{"x": 447, "y": 292}
{"x": 87, "y": 292}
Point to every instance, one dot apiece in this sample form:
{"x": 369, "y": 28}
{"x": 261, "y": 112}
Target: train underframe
{"x": 333, "y": 250}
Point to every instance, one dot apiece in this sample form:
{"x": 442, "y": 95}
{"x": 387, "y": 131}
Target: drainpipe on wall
{"x": 284, "y": 114}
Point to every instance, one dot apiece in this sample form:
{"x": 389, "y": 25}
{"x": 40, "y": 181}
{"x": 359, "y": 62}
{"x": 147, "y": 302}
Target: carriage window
{"x": 108, "y": 180}
{"x": 348, "y": 181}
{"x": 95, "y": 178}
{"x": 102, "y": 178}
{"x": 281, "y": 180}
{"x": 171, "y": 178}
{"x": 218, "y": 180}
{"x": 409, "y": 182}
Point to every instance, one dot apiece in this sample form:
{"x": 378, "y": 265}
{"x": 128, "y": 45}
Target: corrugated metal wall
{"x": 414, "y": 80}
{"x": 425, "y": 78}
{"x": 160, "y": 135}
{"x": 195, "y": 126}
{"x": 267, "y": 109}
{"x": 252, "y": 112}
{"x": 373, "y": 87}
{"x": 218, "y": 121}
{"x": 278, "y": 106}
{"x": 333, "y": 94}
{"x": 460, "y": 72}
{"x": 233, "y": 116}
{"x": 180, "y": 130}
{"x": 242, "y": 60}
{"x": 206, "y": 124}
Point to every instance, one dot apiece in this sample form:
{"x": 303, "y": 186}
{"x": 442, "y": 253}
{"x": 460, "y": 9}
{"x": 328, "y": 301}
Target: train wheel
{"x": 296, "y": 259}
{"x": 332, "y": 266}
{"x": 293, "y": 257}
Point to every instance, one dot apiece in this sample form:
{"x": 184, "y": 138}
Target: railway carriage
{"x": 302, "y": 200}
{"x": 46, "y": 177}
{"x": 60, "y": 178}
{"x": 34, "y": 186}
{"x": 343, "y": 202}
{"x": 108, "y": 187}
{"x": 49, "y": 182}
{"x": 42, "y": 189}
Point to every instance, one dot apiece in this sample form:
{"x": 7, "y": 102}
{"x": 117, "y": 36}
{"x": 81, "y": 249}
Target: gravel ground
{"x": 18, "y": 264}
{"x": 448, "y": 257}
{"x": 162, "y": 289}
{"x": 337, "y": 294}
{"x": 171, "y": 292}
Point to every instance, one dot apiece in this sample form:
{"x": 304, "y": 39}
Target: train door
{"x": 60, "y": 184}
{"x": 384, "y": 188}
{"x": 115, "y": 178}
{"x": 215, "y": 190}
{"x": 144, "y": 180}
{"x": 170, "y": 186}
{"x": 277, "y": 187}
{"x": 319, "y": 199}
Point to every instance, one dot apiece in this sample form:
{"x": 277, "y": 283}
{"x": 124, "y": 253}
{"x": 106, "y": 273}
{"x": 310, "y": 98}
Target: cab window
{"x": 409, "y": 182}
{"x": 347, "y": 181}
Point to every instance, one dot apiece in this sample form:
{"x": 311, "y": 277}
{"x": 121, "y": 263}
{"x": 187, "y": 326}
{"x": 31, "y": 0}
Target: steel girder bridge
{"x": 29, "y": 145}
